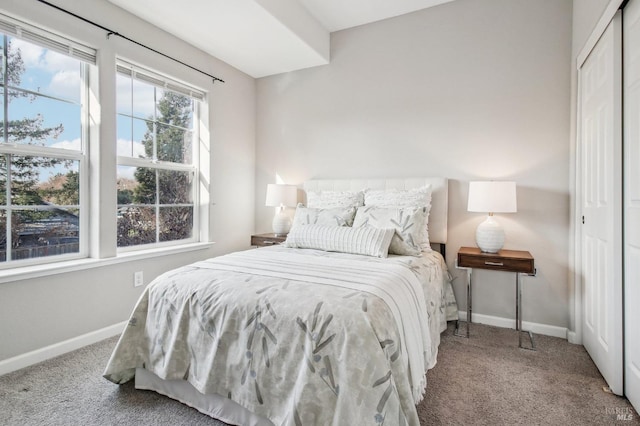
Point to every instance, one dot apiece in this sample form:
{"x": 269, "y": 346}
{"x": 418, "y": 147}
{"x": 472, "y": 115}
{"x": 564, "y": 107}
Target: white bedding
{"x": 295, "y": 336}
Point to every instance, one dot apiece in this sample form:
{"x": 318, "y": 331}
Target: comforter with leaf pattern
{"x": 301, "y": 337}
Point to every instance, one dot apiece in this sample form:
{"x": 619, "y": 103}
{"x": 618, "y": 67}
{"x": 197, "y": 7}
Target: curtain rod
{"x": 115, "y": 33}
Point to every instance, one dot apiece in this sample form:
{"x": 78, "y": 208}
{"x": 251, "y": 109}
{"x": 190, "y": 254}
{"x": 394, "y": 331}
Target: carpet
{"x": 484, "y": 380}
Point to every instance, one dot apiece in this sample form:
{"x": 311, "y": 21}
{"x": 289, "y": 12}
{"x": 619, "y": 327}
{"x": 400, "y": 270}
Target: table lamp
{"x": 281, "y": 196}
{"x": 491, "y": 197}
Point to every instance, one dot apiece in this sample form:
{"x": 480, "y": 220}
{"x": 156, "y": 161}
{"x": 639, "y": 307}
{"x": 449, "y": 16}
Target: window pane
{"x": 125, "y": 184}
{"x": 143, "y": 100}
{"x": 176, "y": 223}
{"x": 40, "y": 233}
{"x": 123, "y": 94}
{"x": 174, "y": 144}
{"x": 131, "y": 132}
{"x": 139, "y": 184}
{"x": 62, "y": 189}
{"x": 143, "y": 138}
{"x": 45, "y": 71}
{"x": 52, "y": 187}
{"x": 136, "y": 225}
{"x": 174, "y": 108}
{"x": 43, "y": 180}
{"x": 42, "y": 121}
{"x": 175, "y": 187}
{"x": 125, "y": 136}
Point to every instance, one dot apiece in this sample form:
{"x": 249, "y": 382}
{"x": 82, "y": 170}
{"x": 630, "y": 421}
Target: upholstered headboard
{"x": 439, "y": 196}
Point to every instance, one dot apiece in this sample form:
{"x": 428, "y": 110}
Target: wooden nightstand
{"x": 266, "y": 240}
{"x": 517, "y": 261}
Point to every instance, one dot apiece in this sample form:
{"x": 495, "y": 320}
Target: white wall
{"x": 39, "y": 312}
{"x": 472, "y": 89}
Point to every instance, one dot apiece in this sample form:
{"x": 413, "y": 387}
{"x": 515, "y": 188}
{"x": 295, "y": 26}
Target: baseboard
{"x": 572, "y": 337}
{"x": 547, "y": 330}
{"x": 52, "y": 351}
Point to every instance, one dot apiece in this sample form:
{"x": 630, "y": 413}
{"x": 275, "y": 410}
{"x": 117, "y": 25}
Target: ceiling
{"x": 337, "y": 15}
{"x": 266, "y": 37}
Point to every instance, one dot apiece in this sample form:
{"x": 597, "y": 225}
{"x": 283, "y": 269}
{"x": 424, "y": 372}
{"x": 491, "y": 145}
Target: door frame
{"x": 575, "y": 312}
{"x": 617, "y": 383}
{"x": 629, "y": 237}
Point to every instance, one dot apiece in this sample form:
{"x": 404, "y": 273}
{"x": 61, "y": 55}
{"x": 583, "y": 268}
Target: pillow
{"x": 365, "y": 240}
{"x": 341, "y": 216}
{"x": 409, "y": 224}
{"x": 333, "y": 199}
{"x": 417, "y": 197}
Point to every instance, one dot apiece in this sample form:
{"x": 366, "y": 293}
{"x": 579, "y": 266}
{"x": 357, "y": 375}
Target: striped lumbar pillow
{"x": 366, "y": 240}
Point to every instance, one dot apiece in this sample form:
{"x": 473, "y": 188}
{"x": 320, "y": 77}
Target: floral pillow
{"x": 408, "y": 222}
{"x": 416, "y": 197}
{"x": 340, "y": 216}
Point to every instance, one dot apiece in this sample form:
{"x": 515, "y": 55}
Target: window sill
{"x": 37, "y": 271}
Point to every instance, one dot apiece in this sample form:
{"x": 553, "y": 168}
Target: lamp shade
{"x": 492, "y": 197}
{"x": 281, "y": 195}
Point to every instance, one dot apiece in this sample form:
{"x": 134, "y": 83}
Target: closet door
{"x": 600, "y": 144}
{"x": 631, "y": 55}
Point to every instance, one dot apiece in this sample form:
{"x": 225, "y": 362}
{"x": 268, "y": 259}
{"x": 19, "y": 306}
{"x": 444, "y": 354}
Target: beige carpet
{"x": 485, "y": 380}
{"x": 488, "y": 380}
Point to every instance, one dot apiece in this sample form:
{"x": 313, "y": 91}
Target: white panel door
{"x": 600, "y": 133}
{"x": 631, "y": 55}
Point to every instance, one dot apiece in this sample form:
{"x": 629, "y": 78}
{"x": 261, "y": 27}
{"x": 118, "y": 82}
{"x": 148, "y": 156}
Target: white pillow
{"x": 341, "y": 216}
{"x": 333, "y": 199}
{"x": 417, "y": 197}
{"x": 365, "y": 240}
{"x": 408, "y": 222}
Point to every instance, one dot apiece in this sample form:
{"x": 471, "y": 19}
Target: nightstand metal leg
{"x": 519, "y": 317}
{"x": 457, "y": 331}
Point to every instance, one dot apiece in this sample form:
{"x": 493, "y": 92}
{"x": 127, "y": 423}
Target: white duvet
{"x": 300, "y": 337}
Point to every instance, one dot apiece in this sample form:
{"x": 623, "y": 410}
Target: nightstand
{"x": 516, "y": 261}
{"x": 266, "y": 240}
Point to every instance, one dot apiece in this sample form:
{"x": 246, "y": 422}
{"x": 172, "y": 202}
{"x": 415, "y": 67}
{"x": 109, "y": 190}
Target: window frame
{"x": 160, "y": 81}
{"x": 86, "y": 57}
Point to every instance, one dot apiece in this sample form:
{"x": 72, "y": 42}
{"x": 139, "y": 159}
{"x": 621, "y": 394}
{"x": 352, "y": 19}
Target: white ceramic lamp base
{"x": 490, "y": 236}
{"x": 281, "y": 222}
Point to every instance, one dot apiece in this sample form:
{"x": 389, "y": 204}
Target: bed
{"x": 298, "y": 336}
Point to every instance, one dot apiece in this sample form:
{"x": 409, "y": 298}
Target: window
{"x": 157, "y": 178}
{"x": 43, "y": 91}
{"x": 48, "y": 114}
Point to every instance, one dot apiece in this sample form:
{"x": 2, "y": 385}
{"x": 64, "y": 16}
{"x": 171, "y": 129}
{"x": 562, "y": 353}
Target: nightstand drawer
{"x": 504, "y": 260}
{"x": 496, "y": 263}
{"x": 265, "y": 240}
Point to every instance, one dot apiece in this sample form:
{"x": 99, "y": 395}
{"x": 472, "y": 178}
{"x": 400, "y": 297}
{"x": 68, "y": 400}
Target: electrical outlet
{"x": 138, "y": 279}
